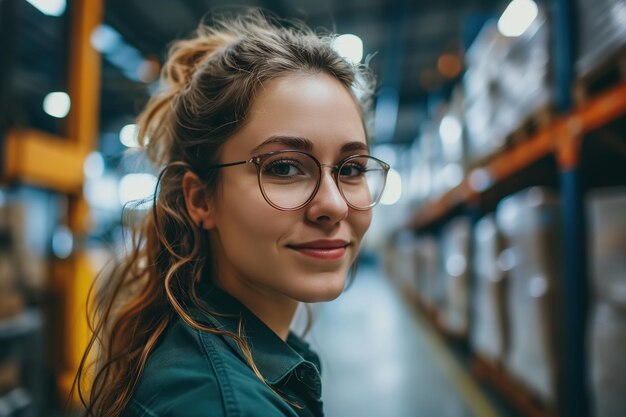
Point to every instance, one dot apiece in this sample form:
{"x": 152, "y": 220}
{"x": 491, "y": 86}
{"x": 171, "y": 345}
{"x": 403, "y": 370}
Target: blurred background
{"x": 493, "y": 278}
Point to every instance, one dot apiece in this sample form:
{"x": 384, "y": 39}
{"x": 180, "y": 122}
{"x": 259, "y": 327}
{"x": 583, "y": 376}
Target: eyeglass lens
{"x": 289, "y": 179}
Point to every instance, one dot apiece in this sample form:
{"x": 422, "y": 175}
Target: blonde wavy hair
{"x": 207, "y": 86}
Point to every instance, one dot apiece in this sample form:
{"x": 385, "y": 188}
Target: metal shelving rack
{"x": 562, "y": 142}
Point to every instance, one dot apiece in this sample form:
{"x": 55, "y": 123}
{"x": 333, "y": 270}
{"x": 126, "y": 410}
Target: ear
{"x": 197, "y": 201}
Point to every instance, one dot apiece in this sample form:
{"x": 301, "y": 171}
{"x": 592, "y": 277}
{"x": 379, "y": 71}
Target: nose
{"x": 328, "y": 205}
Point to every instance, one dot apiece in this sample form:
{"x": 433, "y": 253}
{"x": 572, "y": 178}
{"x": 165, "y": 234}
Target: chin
{"x": 326, "y": 291}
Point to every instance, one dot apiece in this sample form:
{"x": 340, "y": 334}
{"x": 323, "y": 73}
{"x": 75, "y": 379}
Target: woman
{"x": 265, "y": 195}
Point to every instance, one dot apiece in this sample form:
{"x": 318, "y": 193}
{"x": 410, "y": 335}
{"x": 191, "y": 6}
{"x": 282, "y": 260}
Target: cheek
{"x": 246, "y": 220}
{"x": 360, "y": 222}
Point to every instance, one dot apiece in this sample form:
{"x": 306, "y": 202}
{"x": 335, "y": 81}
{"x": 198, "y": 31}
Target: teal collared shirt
{"x": 193, "y": 373}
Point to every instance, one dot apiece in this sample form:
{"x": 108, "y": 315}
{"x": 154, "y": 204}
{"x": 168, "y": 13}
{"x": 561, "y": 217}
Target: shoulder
{"x": 193, "y": 373}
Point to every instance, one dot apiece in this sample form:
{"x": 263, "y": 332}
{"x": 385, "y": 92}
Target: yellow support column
{"x": 56, "y": 163}
{"x": 84, "y": 89}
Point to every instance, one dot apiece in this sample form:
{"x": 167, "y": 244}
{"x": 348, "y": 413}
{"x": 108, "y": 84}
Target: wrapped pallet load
{"x": 489, "y": 334}
{"x": 607, "y": 332}
{"x": 506, "y": 82}
{"x": 428, "y": 271}
{"x": 529, "y": 222}
{"x": 455, "y": 256}
{"x": 484, "y": 133}
{"x": 524, "y": 77}
{"x": 601, "y": 33}
{"x": 406, "y": 261}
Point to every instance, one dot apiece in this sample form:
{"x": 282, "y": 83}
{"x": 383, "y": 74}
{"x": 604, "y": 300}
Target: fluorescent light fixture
{"x": 128, "y": 136}
{"x": 393, "y": 189}
{"x": 350, "y": 47}
{"x": 517, "y": 17}
{"x": 49, "y": 7}
{"x": 57, "y": 104}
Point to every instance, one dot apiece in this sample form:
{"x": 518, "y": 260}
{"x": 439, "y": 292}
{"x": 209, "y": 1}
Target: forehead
{"x": 315, "y": 107}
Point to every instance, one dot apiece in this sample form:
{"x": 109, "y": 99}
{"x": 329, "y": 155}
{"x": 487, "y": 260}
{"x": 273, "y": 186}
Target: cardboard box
{"x": 489, "y": 335}
{"x": 608, "y": 367}
{"x": 530, "y": 224}
{"x": 455, "y": 257}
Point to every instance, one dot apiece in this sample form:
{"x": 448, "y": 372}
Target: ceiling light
{"x": 49, "y": 7}
{"x": 350, "y": 47}
{"x": 57, "y": 104}
{"x": 517, "y": 17}
{"x": 128, "y": 136}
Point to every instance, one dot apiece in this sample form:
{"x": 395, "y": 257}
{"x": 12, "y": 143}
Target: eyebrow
{"x": 304, "y": 144}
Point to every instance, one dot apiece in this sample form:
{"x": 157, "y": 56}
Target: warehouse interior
{"x": 492, "y": 281}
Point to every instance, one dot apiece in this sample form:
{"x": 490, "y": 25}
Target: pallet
{"x": 606, "y": 75}
{"x": 499, "y": 378}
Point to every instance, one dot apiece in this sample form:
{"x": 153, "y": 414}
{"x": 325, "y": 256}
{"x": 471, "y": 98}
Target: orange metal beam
{"x": 44, "y": 160}
{"x": 601, "y": 110}
{"x": 562, "y": 137}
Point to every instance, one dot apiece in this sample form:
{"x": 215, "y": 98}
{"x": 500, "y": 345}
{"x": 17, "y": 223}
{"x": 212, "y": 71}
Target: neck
{"x": 274, "y": 310}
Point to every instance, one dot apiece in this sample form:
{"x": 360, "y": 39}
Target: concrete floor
{"x": 379, "y": 359}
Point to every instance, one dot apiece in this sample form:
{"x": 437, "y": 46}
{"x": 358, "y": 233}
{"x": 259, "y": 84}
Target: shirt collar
{"x": 274, "y": 358}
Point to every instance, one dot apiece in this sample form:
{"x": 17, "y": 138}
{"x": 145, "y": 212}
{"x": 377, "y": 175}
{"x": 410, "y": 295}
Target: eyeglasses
{"x": 289, "y": 179}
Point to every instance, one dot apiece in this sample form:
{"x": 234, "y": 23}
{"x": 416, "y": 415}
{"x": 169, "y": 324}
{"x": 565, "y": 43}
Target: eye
{"x": 352, "y": 169}
{"x": 284, "y": 168}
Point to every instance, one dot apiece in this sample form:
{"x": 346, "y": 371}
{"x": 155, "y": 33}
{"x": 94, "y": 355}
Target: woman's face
{"x": 275, "y": 253}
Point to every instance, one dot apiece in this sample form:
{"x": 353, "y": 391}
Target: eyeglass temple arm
{"x": 230, "y": 164}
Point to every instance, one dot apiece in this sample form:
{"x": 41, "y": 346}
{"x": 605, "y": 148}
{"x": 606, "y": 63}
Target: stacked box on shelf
{"x": 529, "y": 222}
{"x": 429, "y": 163}
{"x": 506, "y": 81}
{"x": 452, "y": 145}
{"x": 438, "y": 152}
{"x": 484, "y": 131}
{"x": 455, "y": 246}
{"x": 428, "y": 273}
{"x": 11, "y": 263}
{"x": 607, "y": 331}
{"x": 416, "y": 185}
{"x": 406, "y": 260}
{"x": 524, "y": 76}
{"x": 391, "y": 257}
{"x": 601, "y": 32}
{"x": 489, "y": 332}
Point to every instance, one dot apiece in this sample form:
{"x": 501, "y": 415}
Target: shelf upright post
{"x": 574, "y": 395}
{"x": 564, "y": 50}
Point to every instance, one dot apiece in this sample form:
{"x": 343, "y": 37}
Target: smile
{"x": 322, "y": 250}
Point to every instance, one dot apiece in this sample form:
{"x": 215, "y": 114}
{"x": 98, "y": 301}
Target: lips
{"x": 322, "y": 249}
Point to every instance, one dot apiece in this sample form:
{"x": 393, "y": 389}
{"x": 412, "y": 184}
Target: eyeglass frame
{"x": 257, "y": 160}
